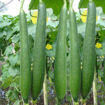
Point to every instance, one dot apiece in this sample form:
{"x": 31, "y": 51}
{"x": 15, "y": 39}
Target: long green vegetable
{"x": 89, "y": 50}
{"x": 25, "y": 72}
{"x": 75, "y": 72}
{"x": 60, "y": 59}
{"x": 39, "y": 56}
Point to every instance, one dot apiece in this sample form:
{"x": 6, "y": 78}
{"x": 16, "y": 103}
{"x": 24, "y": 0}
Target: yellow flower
{"x": 102, "y": 56}
{"x": 34, "y": 17}
{"x": 84, "y": 16}
{"x": 48, "y": 46}
{"x": 98, "y": 45}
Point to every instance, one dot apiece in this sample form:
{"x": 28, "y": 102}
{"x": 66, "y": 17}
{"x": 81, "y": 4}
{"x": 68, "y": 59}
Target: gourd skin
{"x": 60, "y": 58}
{"x": 39, "y": 56}
{"x": 75, "y": 71}
{"x": 89, "y": 51}
{"x": 25, "y": 72}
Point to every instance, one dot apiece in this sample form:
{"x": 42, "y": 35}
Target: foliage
{"x": 99, "y": 3}
{"x": 10, "y": 48}
{"x": 57, "y": 4}
{"x": 54, "y": 4}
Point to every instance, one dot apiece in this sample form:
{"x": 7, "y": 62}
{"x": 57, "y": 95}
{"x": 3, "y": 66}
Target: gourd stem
{"x": 41, "y": 1}
{"x": 64, "y": 2}
{"x": 71, "y": 4}
{"x": 94, "y": 90}
{"x": 90, "y": 0}
{"x": 94, "y": 83}
{"x": 45, "y": 90}
{"x": 22, "y": 3}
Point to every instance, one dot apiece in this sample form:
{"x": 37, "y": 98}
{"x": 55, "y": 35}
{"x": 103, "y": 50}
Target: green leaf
{"x": 15, "y": 38}
{"x": 13, "y": 71}
{"x": 99, "y": 52}
{"x": 13, "y": 59}
{"x": 51, "y": 37}
{"x": 12, "y": 95}
{"x": 17, "y": 102}
{"x": 103, "y": 44}
{"x": 54, "y": 4}
{"x": 101, "y": 34}
{"x": 99, "y": 3}
{"x": 32, "y": 30}
{"x": 7, "y": 82}
{"x": 81, "y": 29}
{"x": 9, "y": 50}
{"x": 53, "y": 23}
{"x": 2, "y": 34}
{"x": 101, "y": 22}
{"x": 9, "y": 33}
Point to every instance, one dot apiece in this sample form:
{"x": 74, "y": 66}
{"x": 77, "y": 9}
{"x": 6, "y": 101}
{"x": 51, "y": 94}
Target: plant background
{"x": 10, "y": 54}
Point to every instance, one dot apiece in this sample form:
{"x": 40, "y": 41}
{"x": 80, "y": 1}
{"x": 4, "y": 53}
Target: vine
{"x": 22, "y": 3}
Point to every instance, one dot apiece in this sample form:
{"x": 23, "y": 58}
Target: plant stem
{"x": 94, "y": 90}
{"x": 71, "y": 3}
{"x": 90, "y": 0}
{"x": 41, "y": 1}
{"x": 72, "y": 101}
{"x": 94, "y": 84}
{"x": 45, "y": 89}
{"x": 22, "y": 3}
{"x": 64, "y": 2}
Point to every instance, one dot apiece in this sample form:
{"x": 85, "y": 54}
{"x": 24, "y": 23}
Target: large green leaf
{"x": 54, "y": 4}
{"x": 99, "y": 3}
